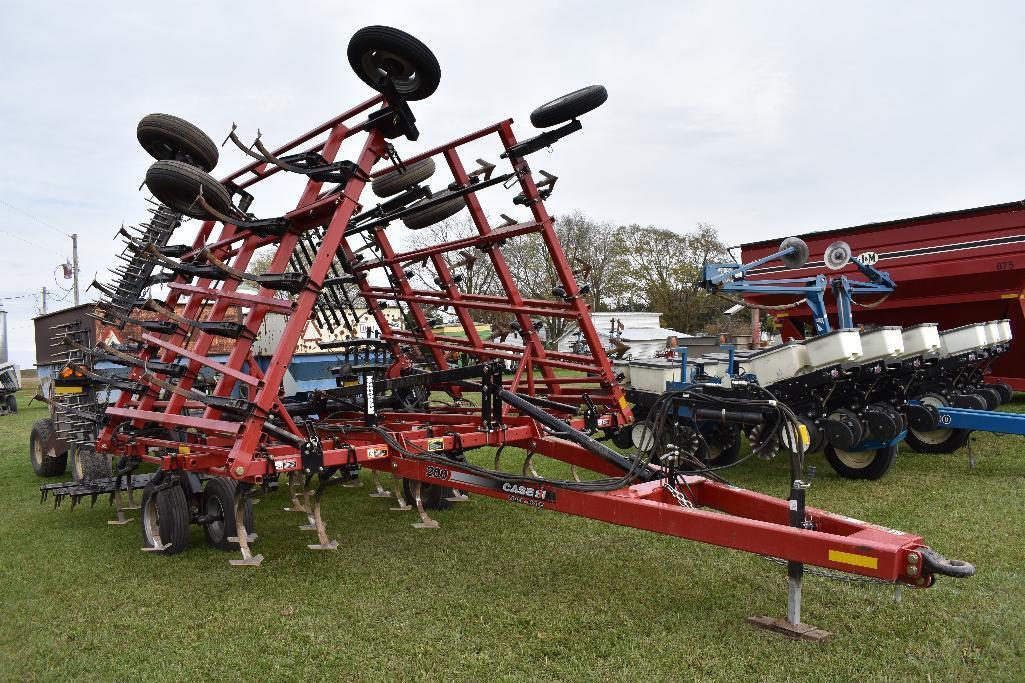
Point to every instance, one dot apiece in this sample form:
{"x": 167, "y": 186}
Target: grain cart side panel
{"x": 951, "y": 268}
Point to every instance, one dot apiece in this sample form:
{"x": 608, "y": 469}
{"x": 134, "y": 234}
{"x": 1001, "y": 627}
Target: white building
{"x": 640, "y": 330}
{"x": 274, "y": 324}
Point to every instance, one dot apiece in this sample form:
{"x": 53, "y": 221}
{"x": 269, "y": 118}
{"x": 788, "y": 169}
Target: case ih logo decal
{"x": 528, "y": 491}
{"x": 535, "y": 496}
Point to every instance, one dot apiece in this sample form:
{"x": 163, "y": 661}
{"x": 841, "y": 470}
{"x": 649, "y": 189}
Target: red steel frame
{"x": 223, "y": 446}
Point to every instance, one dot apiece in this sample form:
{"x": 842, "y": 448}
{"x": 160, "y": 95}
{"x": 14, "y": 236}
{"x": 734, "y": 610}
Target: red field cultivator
{"x": 217, "y": 448}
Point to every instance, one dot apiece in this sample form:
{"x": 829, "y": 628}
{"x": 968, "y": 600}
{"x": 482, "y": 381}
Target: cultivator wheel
{"x": 381, "y": 54}
{"x": 187, "y": 189}
{"x": 169, "y": 138}
{"x": 165, "y": 517}
{"x": 217, "y": 514}
{"x": 46, "y": 462}
{"x": 435, "y": 213}
{"x": 432, "y": 497}
{"x": 866, "y": 464}
{"x": 400, "y": 179}
{"x": 569, "y": 107}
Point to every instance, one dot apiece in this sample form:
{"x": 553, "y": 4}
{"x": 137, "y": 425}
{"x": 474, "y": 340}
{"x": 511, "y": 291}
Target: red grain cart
{"x": 951, "y": 268}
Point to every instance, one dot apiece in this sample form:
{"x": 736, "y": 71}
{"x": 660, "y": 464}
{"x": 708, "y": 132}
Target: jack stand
{"x": 379, "y": 491}
{"x": 425, "y": 521}
{"x": 971, "y": 453}
{"x": 898, "y": 593}
{"x": 401, "y": 504}
{"x": 242, "y": 535}
{"x": 792, "y": 626}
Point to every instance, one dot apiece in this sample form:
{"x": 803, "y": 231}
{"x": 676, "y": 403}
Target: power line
{"x": 32, "y": 244}
{"x": 18, "y": 296}
{"x": 36, "y": 219}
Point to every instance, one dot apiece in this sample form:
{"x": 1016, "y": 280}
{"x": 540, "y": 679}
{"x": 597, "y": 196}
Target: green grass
{"x": 506, "y": 592}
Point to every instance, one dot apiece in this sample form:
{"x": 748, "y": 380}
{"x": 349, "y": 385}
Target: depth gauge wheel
{"x": 45, "y": 461}
{"x": 380, "y": 52}
{"x": 178, "y": 185}
{"x": 434, "y": 214}
{"x": 165, "y": 519}
{"x": 218, "y": 504}
{"x": 936, "y": 440}
{"x": 395, "y": 181}
{"x": 87, "y": 464}
{"x": 168, "y": 137}
{"x": 871, "y": 464}
{"x": 12, "y": 404}
{"x": 431, "y": 495}
{"x": 569, "y": 107}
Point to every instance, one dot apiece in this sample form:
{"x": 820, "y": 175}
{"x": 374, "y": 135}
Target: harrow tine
{"x": 324, "y": 543}
{"x": 242, "y": 536}
{"x": 402, "y": 505}
{"x": 425, "y": 521}
{"x": 379, "y": 491}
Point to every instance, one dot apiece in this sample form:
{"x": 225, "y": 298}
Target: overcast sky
{"x": 762, "y": 118}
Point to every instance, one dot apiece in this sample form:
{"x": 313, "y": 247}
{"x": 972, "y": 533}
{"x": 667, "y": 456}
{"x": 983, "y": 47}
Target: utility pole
{"x": 44, "y": 300}
{"x": 74, "y": 263}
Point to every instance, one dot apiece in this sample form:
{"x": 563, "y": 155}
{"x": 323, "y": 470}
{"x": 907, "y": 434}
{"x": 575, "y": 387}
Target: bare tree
{"x": 595, "y": 255}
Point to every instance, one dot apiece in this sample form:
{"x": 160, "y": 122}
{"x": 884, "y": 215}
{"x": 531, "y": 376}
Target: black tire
{"x": 721, "y": 446}
{"x": 1005, "y": 391}
{"x": 861, "y": 464}
{"x": 435, "y": 214}
{"x": 394, "y": 182}
{"x": 12, "y": 404}
{"x": 168, "y": 137}
{"x": 938, "y": 441}
{"x": 376, "y": 52}
{"x": 432, "y": 495}
{"x": 177, "y": 185}
{"x": 990, "y": 395}
{"x": 165, "y": 517}
{"x": 569, "y": 107}
{"x": 87, "y": 464}
{"x": 43, "y": 463}
{"x": 623, "y": 438}
{"x": 219, "y": 499}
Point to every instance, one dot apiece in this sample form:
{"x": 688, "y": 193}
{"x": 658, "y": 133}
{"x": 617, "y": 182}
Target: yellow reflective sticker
{"x": 184, "y": 450}
{"x": 852, "y": 558}
{"x": 805, "y": 436}
{"x": 67, "y": 390}
{"x": 622, "y": 402}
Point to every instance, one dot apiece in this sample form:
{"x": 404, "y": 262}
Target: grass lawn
{"x": 507, "y": 592}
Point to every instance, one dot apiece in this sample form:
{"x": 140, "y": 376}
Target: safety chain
{"x": 680, "y": 498}
{"x": 833, "y": 575}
